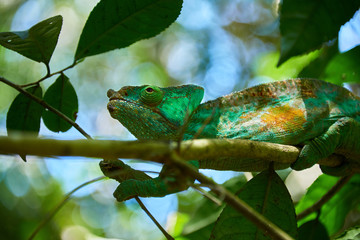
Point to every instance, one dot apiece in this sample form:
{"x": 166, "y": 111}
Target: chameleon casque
{"x": 321, "y": 117}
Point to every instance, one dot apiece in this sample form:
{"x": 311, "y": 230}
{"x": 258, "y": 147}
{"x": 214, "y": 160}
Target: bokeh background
{"x": 223, "y": 45}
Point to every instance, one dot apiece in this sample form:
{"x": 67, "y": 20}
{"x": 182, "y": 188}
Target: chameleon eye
{"x": 149, "y": 89}
{"x": 151, "y": 95}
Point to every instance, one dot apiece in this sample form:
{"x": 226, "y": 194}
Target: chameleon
{"x": 321, "y": 117}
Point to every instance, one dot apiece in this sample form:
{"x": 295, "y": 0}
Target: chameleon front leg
{"x": 170, "y": 180}
{"x": 343, "y": 137}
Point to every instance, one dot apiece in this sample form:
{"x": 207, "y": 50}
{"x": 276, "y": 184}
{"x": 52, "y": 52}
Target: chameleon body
{"x": 321, "y": 117}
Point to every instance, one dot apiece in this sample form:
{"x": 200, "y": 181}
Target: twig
{"x": 45, "y": 105}
{"x": 60, "y": 205}
{"x": 259, "y": 220}
{"x": 75, "y": 125}
{"x": 324, "y": 199}
{"x": 206, "y": 194}
{"x": 48, "y": 75}
{"x": 167, "y": 235}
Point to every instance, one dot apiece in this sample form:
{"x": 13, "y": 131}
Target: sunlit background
{"x": 223, "y": 45}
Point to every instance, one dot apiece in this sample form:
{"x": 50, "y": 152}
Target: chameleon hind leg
{"x": 342, "y": 136}
{"x": 170, "y": 180}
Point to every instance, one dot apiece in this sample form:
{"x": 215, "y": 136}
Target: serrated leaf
{"x": 62, "y": 96}
{"x": 267, "y": 194}
{"x": 334, "y": 212}
{"x": 344, "y": 67}
{"x": 117, "y": 24}
{"x": 24, "y": 114}
{"x": 313, "y": 230}
{"x": 306, "y": 25}
{"x": 37, "y": 43}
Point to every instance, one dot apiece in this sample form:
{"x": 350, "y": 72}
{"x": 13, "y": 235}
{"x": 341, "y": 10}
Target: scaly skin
{"x": 322, "y": 117}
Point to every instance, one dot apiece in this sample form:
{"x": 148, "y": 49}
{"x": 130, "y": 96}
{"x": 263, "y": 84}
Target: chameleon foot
{"x": 340, "y": 137}
{"x": 148, "y": 188}
{"x": 170, "y": 180}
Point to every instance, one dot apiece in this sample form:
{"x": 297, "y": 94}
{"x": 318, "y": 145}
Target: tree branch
{"x": 255, "y": 217}
{"x": 70, "y": 121}
{"x": 45, "y": 105}
{"x": 239, "y": 150}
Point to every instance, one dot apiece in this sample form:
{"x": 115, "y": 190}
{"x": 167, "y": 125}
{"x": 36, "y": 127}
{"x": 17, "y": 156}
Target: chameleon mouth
{"x": 116, "y": 98}
{"x": 116, "y": 101}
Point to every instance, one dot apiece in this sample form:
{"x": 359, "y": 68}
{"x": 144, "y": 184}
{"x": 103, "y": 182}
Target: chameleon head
{"x": 151, "y": 112}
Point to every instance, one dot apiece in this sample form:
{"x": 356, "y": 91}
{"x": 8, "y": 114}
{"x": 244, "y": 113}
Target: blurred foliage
{"x": 222, "y": 45}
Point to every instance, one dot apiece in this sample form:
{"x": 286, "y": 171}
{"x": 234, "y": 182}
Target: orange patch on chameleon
{"x": 285, "y": 118}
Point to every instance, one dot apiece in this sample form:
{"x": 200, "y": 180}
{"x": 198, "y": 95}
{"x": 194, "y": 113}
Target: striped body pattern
{"x": 321, "y": 117}
{"x": 287, "y": 112}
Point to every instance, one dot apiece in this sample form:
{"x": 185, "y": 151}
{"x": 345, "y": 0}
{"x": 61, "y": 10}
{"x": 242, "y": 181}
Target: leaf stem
{"x": 48, "y": 75}
{"x": 47, "y": 69}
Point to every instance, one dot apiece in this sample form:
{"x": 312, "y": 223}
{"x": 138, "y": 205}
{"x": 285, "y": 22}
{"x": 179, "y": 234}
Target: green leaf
{"x": 37, "y": 43}
{"x": 62, "y": 96}
{"x": 334, "y": 212}
{"x": 24, "y": 114}
{"x": 117, "y": 24}
{"x": 267, "y": 194}
{"x": 203, "y": 218}
{"x": 201, "y": 233}
{"x": 317, "y": 67}
{"x": 313, "y": 230}
{"x": 344, "y": 67}
{"x": 266, "y": 65}
{"x": 306, "y": 25}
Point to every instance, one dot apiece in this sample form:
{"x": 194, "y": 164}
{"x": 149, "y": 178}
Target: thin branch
{"x": 324, "y": 199}
{"x": 45, "y": 105}
{"x": 75, "y": 125}
{"x": 259, "y": 220}
{"x": 60, "y": 205}
{"x": 206, "y": 194}
{"x": 166, "y": 234}
{"x": 48, "y": 75}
